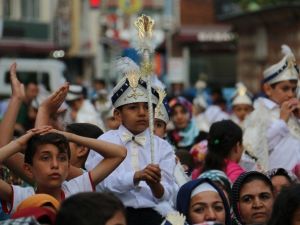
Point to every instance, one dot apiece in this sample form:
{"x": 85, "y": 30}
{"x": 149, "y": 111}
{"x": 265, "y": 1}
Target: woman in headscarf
{"x": 185, "y": 133}
{"x": 220, "y": 179}
{"x": 252, "y": 198}
{"x": 202, "y": 201}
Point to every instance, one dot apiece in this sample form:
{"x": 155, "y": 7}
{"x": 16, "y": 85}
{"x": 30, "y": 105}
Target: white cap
{"x": 162, "y": 109}
{"x": 132, "y": 89}
{"x": 241, "y": 95}
{"x": 286, "y": 69}
{"x": 203, "y": 187}
{"x": 75, "y": 92}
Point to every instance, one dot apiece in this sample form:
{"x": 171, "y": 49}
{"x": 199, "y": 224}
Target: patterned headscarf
{"x": 219, "y": 176}
{"x": 181, "y": 101}
{"x": 236, "y": 188}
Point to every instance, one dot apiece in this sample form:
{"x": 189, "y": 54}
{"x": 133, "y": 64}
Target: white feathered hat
{"x": 241, "y": 95}
{"x": 286, "y": 69}
{"x": 131, "y": 88}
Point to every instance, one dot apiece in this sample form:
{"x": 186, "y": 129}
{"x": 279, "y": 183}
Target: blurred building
{"x": 26, "y": 28}
{"x": 203, "y": 44}
{"x": 261, "y": 34}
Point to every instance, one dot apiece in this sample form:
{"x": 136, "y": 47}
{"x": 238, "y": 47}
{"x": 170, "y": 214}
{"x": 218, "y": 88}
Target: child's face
{"x": 282, "y": 91}
{"x": 134, "y": 116}
{"x": 49, "y": 166}
{"x": 180, "y": 117}
{"x": 159, "y": 128}
{"x": 242, "y": 110}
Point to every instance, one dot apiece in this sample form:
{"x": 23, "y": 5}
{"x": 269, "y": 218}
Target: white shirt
{"x": 120, "y": 181}
{"x": 282, "y": 139}
{"x": 79, "y": 184}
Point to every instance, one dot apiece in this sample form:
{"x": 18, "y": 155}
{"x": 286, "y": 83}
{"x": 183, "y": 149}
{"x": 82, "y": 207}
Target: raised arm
{"x": 50, "y": 106}
{"x": 15, "y": 162}
{"x": 10, "y": 116}
{"x": 113, "y": 155}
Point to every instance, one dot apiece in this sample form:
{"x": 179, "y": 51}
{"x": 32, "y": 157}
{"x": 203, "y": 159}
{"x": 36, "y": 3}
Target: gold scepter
{"x": 144, "y": 25}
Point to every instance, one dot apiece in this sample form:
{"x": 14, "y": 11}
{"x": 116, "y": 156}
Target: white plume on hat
{"x": 286, "y": 69}
{"x": 131, "y": 88}
{"x": 124, "y": 65}
{"x": 241, "y": 95}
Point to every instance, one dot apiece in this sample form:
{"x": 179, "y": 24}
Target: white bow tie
{"x": 140, "y": 139}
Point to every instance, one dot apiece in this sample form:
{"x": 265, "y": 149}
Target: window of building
{"x": 30, "y": 9}
{"x": 7, "y": 9}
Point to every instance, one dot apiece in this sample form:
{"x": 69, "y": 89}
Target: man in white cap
{"x": 81, "y": 110}
{"x": 272, "y": 131}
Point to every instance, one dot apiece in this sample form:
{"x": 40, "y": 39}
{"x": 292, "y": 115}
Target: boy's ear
{"x": 28, "y": 170}
{"x": 82, "y": 151}
{"x": 267, "y": 89}
{"x": 117, "y": 114}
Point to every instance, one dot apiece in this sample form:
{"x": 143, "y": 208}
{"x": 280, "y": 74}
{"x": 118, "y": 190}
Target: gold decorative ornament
{"x": 146, "y": 68}
{"x": 144, "y": 25}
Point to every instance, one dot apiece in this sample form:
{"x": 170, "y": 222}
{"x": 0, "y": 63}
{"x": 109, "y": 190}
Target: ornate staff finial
{"x": 144, "y": 25}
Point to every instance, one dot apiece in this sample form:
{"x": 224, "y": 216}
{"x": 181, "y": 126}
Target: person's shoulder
{"x": 162, "y": 143}
{"x": 109, "y": 133}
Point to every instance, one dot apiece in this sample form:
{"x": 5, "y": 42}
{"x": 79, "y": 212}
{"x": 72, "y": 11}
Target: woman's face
{"x": 279, "y": 182}
{"x": 255, "y": 202}
{"x": 206, "y": 206}
{"x": 180, "y": 117}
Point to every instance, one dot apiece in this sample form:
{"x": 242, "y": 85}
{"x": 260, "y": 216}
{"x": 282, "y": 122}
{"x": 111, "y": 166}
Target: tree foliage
{"x": 257, "y": 4}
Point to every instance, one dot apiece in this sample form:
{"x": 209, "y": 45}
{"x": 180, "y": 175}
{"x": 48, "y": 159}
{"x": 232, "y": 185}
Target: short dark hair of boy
{"x": 58, "y": 140}
{"x": 84, "y": 129}
{"x": 89, "y": 208}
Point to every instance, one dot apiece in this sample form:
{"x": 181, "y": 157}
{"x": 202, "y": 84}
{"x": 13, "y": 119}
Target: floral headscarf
{"x": 181, "y": 101}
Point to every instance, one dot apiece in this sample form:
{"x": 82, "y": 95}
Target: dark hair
{"x": 59, "y": 140}
{"x": 239, "y": 183}
{"x": 285, "y": 205}
{"x": 186, "y": 159}
{"x": 280, "y": 172}
{"x": 84, "y": 129}
{"x": 90, "y": 208}
{"x": 222, "y": 137}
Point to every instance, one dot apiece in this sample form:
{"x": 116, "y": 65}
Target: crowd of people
{"x": 90, "y": 158}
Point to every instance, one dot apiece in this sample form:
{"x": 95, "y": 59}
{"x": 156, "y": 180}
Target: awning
{"x": 210, "y": 33}
{"x": 26, "y": 46}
